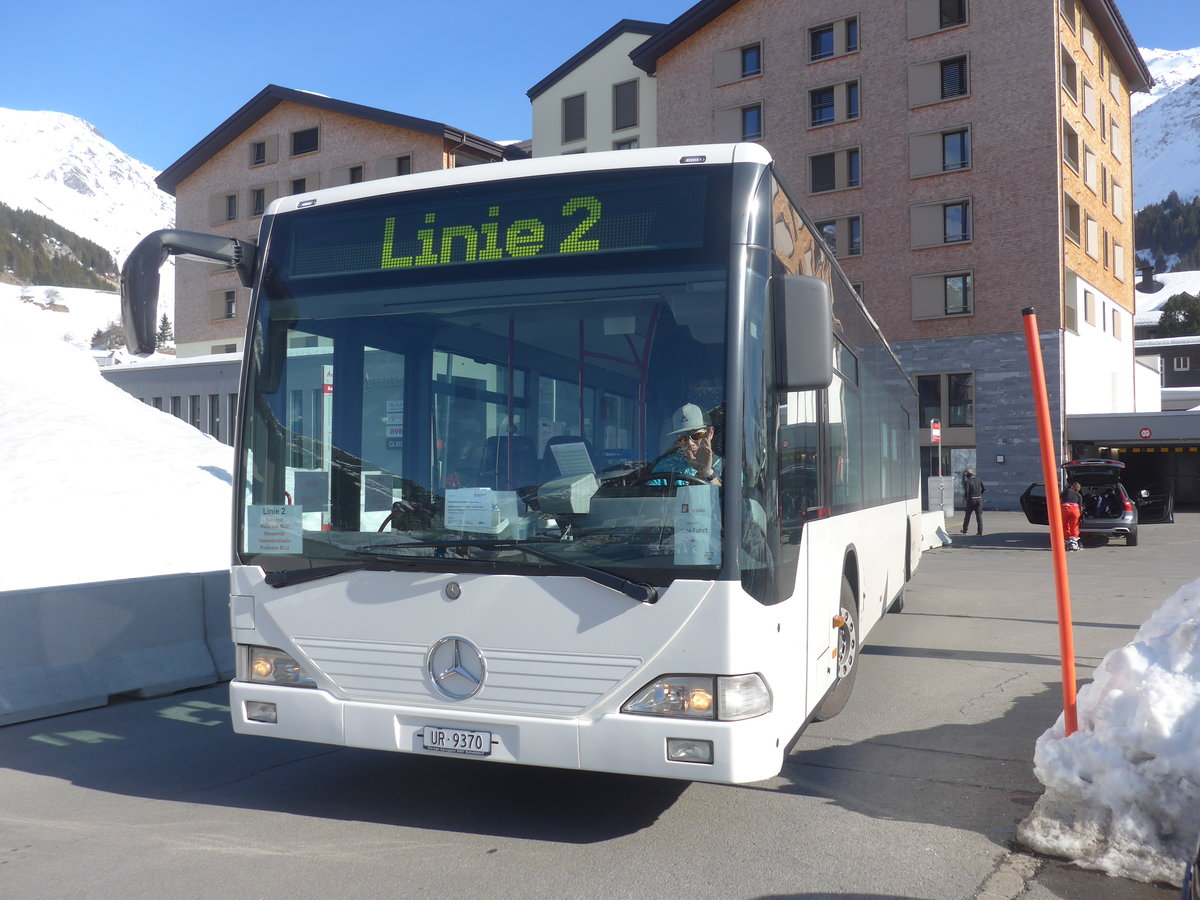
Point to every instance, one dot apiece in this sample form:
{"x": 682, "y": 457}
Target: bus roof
{"x": 651, "y": 157}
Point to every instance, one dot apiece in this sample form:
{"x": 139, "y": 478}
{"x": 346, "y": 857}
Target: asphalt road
{"x": 914, "y": 791}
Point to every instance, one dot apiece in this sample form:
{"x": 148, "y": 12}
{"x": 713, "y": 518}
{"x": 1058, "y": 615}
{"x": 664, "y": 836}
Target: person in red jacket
{"x": 1071, "y": 501}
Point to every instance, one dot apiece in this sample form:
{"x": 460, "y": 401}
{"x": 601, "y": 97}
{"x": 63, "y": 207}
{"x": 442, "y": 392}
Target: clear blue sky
{"x": 155, "y": 78}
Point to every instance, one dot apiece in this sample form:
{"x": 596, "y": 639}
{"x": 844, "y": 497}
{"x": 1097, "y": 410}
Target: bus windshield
{"x": 440, "y": 378}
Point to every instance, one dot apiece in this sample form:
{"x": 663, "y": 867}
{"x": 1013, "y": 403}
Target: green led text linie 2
{"x": 443, "y": 244}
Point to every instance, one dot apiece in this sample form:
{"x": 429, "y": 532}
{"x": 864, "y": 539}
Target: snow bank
{"x": 1123, "y": 792}
{"x": 97, "y": 485}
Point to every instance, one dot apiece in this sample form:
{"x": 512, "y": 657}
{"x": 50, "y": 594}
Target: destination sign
{"x": 511, "y": 221}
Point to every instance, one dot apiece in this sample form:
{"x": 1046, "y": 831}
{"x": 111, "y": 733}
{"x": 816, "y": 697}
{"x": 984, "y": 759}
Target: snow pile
{"x": 97, "y": 485}
{"x": 1123, "y": 792}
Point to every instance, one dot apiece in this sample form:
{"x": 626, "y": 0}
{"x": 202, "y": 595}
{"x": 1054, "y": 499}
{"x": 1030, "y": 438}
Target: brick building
{"x": 966, "y": 160}
{"x": 286, "y": 142}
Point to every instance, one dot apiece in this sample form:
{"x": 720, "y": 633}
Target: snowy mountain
{"x": 61, "y": 167}
{"x": 1166, "y": 128}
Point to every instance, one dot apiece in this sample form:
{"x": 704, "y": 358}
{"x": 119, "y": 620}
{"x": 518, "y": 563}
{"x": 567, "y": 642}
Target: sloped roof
{"x": 1103, "y": 12}
{"x": 272, "y": 95}
{"x": 625, "y": 26}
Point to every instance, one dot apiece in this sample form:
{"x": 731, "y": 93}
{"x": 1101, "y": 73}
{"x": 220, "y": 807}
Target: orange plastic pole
{"x": 1041, "y": 402}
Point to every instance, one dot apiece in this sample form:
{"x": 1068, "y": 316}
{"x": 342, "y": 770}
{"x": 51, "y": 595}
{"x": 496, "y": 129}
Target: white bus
{"x": 448, "y": 535}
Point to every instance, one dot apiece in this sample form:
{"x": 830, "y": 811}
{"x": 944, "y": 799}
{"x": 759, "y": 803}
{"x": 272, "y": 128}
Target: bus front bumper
{"x": 743, "y": 751}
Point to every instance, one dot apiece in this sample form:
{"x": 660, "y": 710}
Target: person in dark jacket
{"x": 973, "y": 491}
{"x": 1071, "y": 501}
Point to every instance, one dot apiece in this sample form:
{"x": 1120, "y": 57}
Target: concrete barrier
{"x": 71, "y": 647}
{"x": 933, "y": 530}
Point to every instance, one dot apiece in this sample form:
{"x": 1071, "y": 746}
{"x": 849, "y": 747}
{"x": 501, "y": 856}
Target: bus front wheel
{"x": 847, "y": 658}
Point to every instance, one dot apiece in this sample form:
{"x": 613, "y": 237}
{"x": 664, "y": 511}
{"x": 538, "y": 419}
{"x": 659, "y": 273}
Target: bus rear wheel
{"x": 847, "y": 658}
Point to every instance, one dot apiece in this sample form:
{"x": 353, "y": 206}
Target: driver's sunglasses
{"x": 695, "y": 437}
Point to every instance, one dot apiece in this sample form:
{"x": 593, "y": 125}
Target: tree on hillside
{"x": 109, "y": 338}
{"x": 1180, "y": 316}
{"x": 165, "y": 335}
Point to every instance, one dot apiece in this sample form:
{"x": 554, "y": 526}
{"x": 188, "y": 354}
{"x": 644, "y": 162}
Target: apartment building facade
{"x": 284, "y": 142}
{"x": 598, "y": 99}
{"x": 965, "y": 160}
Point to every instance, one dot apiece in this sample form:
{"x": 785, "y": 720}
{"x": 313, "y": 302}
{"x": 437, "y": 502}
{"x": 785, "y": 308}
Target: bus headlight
{"x": 266, "y": 665}
{"x": 724, "y": 697}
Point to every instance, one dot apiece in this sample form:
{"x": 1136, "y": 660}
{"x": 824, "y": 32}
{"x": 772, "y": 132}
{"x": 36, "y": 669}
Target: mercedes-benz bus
{"x": 452, "y": 534}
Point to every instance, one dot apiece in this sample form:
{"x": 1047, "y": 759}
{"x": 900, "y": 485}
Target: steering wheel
{"x": 667, "y": 477}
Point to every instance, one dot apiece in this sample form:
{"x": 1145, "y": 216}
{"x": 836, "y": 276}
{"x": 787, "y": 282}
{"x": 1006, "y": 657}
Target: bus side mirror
{"x": 139, "y": 276}
{"x": 803, "y": 311}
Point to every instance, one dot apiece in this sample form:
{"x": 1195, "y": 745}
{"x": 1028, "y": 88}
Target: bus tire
{"x": 847, "y": 658}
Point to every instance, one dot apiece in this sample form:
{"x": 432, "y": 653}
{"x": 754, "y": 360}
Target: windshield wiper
{"x": 642, "y": 593}
{"x": 299, "y": 576}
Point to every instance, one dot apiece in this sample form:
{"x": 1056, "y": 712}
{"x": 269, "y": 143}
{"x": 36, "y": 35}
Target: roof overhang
{"x": 273, "y": 95}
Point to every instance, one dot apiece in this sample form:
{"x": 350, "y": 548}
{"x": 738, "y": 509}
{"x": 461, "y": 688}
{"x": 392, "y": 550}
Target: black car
{"x": 1108, "y": 510}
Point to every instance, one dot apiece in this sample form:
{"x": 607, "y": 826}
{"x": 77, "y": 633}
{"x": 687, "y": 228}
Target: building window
{"x": 1071, "y": 314}
{"x": 404, "y": 164}
{"x": 261, "y": 197}
{"x": 298, "y": 185}
{"x": 957, "y": 292}
{"x": 948, "y": 397}
{"x": 821, "y": 106}
{"x": 942, "y": 294}
{"x": 627, "y": 144}
{"x": 835, "y": 171}
{"x": 258, "y": 153}
{"x": 935, "y": 152}
{"x": 230, "y": 207}
{"x": 1090, "y": 107}
{"x": 952, "y": 13}
{"x": 1069, "y": 74}
{"x": 938, "y": 80}
{"x": 1091, "y": 169}
{"x": 833, "y": 39}
{"x": 751, "y": 60}
{"x": 1067, "y": 8}
{"x": 574, "y": 118}
{"x": 1181, "y": 364}
{"x": 1071, "y": 218}
{"x": 1070, "y": 146}
{"x": 214, "y": 415}
{"x": 738, "y": 63}
{"x": 305, "y": 141}
{"x": 1118, "y": 260}
{"x": 954, "y": 77}
{"x": 956, "y": 150}
{"x": 752, "y": 123}
{"x": 820, "y": 42}
{"x": 1089, "y": 307}
{"x": 1116, "y": 139}
{"x": 956, "y": 222}
{"x": 843, "y": 236}
{"x": 230, "y": 305}
{"x": 940, "y": 223}
{"x": 833, "y": 103}
{"x": 355, "y": 175}
{"x": 1091, "y": 236}
{"x": 625, "y": 105}
{"x": 931, "y": 16}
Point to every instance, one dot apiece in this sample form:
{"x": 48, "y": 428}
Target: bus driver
{"x": 691, "y": 451}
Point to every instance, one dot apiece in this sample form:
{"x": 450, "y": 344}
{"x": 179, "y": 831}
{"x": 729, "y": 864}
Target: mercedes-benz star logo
{"x": 456, "y": 667}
